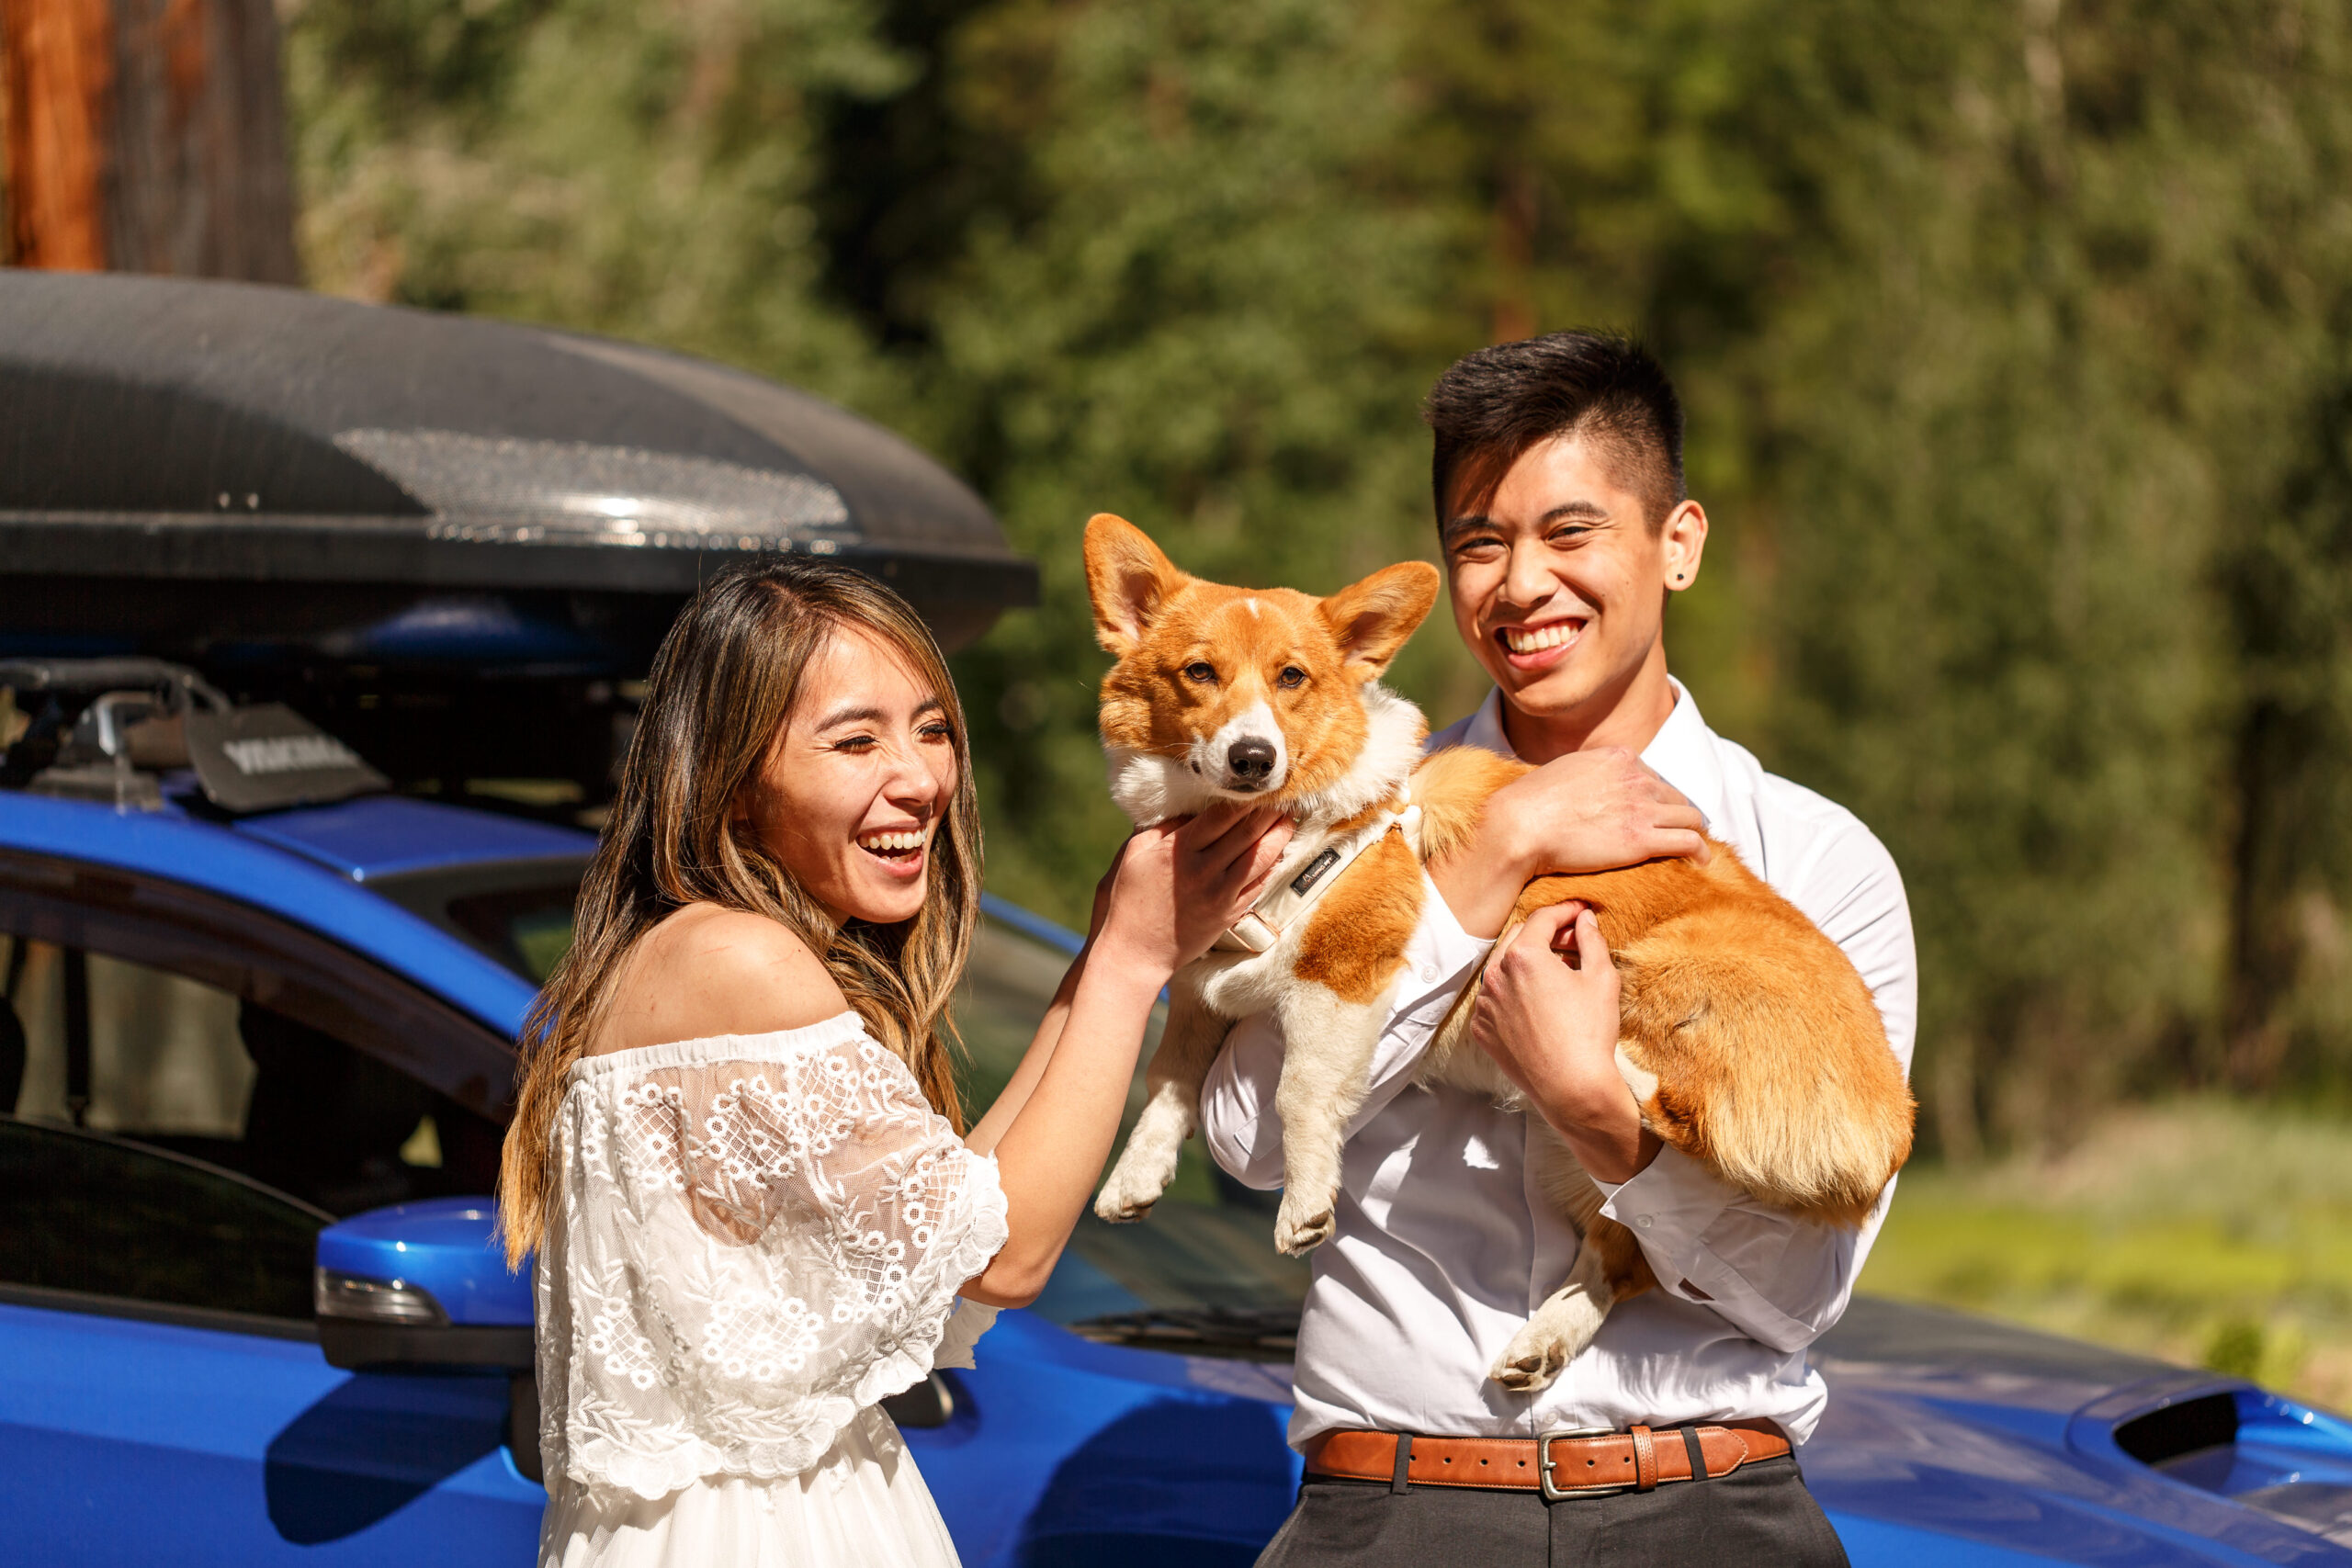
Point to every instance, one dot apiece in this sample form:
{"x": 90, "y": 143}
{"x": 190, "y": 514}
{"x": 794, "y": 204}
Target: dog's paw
{"x": 1532, "y": 1359}
{"x": 1555, "y": 1335}
{"x": 1142, "y": 1174}
{"x": 1125, "y": 1199}
{"x": 1303, "y": 1225}
{"x": 1116, "y": 1210}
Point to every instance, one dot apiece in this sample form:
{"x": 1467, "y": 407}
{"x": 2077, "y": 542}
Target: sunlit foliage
{"x": 2014, "y": 337}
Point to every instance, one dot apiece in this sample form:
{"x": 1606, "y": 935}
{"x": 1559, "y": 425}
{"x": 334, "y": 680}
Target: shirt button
{"x": 1641, "y": 1221}
{"x": 1429, "y": 974}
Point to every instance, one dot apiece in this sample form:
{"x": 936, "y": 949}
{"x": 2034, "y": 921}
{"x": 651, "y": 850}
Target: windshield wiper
{"x": 1270, "y": 1332}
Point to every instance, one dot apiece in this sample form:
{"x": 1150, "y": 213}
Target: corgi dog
{"x": 1748, "y": 1041}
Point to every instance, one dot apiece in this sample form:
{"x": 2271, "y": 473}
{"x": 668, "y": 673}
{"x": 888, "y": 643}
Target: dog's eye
{"x": 1200, "y": 670}
{"x": 1292, "y": 678}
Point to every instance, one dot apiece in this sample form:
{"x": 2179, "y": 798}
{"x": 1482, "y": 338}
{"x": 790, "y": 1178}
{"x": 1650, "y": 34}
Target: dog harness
{"x": 1286, "y": 902}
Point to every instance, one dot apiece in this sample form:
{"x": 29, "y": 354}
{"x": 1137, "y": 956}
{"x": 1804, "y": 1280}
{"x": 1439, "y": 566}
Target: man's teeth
{"x": 889, "y": 840}
{"x": 1534, "y": 639}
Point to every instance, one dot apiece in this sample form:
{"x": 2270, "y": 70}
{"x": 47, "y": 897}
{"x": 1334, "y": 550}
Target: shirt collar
{"x": 1682, "y": 752}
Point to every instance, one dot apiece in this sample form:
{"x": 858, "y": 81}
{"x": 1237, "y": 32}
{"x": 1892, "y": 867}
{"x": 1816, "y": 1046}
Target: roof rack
{"x": 106, "y": 729}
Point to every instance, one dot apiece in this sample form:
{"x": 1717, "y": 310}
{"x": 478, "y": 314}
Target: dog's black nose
{"x": 1250, "y": 760}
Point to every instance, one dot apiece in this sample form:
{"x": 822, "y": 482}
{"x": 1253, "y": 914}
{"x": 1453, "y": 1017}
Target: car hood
{"x": 1949, "y": 1439}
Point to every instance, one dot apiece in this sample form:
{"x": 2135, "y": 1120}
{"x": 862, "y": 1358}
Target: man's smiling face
{"x": 1559, "y": 582}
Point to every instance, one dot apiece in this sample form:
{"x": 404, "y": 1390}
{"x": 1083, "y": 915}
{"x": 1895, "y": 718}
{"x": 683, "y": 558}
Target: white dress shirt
{"x": 1443, "y": 1245}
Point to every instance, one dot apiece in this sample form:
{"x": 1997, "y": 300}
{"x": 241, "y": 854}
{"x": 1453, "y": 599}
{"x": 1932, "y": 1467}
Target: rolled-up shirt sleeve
{"x": 1243, "y": 1130}
{"x": 1779, "y": 1280}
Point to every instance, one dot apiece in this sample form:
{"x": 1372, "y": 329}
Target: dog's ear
{"x": 1373, "y": 618}
{"x": 1129, "y": 578}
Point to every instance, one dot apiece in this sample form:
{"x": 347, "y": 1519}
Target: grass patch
{"x": 2208, "y": 1233}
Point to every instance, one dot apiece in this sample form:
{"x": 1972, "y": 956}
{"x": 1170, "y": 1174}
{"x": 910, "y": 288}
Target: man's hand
{"x": 1587, "y": 811}
{"x": 1552, "y": 1030}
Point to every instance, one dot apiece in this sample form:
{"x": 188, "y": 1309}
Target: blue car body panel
{"x": 382, "y": 836}
{"x": 124, "y": 1440}
{"x": 128, "y": 1442}
{"x": 298, "y": 887}
{"x": 1969, "y": 1463}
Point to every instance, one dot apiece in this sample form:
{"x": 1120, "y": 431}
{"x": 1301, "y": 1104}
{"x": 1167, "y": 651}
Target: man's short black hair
{"x": 1495, "y": 404}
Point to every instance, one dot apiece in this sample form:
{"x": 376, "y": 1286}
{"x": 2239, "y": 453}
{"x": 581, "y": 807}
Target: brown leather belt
{"x": 1580, "y": 1462}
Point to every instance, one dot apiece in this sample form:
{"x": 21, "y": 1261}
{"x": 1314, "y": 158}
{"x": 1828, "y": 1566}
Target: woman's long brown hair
{"x": 722, "y": 684}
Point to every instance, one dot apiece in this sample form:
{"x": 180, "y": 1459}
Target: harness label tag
{"x": 1315, "y": 871}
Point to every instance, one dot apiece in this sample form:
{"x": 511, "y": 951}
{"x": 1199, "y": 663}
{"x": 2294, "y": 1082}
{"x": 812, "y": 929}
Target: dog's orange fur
{"x": 1751, "y": 1042}
{"x": 1355, "y": 938}
{"x": 1771, "y": 1058}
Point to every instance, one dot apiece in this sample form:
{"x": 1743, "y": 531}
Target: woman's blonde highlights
{"x": 721, "y": 686}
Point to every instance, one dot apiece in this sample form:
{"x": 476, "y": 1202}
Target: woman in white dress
{"x": 738, "y": 1150}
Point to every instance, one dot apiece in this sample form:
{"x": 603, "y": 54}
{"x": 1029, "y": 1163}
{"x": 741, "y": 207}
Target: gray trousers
{"x": 1760, "y": 1514}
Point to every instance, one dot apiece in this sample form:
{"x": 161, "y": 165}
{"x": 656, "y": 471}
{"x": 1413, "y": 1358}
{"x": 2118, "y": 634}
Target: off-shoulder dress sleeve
{"x": 759, "y": 1237}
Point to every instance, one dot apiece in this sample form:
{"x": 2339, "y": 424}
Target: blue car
{"x": 249, "y": 1314}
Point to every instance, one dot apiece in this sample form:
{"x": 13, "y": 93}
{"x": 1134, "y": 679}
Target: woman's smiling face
{"x": 858, "y": 780}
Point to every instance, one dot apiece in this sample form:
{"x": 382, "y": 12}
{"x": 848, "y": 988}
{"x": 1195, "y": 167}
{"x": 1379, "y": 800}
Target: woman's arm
{"x": 991, "y": 1127}
{"x": 1175, "y": 887}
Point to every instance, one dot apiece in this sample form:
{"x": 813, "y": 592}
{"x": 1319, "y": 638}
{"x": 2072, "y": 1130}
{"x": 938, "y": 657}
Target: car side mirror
{"x": 424, "y": 1287}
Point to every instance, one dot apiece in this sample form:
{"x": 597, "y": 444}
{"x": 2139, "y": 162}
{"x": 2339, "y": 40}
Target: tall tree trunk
{"x": 1513, "y": 316}
{"x": 57, "y": 71}
{"x": 147, "y": 136}
{"x": 2289, "y": 581}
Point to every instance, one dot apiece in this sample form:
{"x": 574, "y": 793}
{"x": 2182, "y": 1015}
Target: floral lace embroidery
{"x": 758, "y": 1238}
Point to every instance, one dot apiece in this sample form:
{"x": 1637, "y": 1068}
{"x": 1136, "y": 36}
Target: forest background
{"x": 2016, "y": 341}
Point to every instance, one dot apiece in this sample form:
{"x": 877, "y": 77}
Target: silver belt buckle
{"x": 1553, "y": 1493}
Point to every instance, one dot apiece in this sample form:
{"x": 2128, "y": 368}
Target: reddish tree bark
{"x": 147, "y": 136}
{"x": 57, "y": 69}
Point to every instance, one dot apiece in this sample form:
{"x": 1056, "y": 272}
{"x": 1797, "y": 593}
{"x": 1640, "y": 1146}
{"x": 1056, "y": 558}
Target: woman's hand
{"x": 1587, "y": 811}
{"x": 1553, "y": 1029}
{"x": 1179, "y": 884}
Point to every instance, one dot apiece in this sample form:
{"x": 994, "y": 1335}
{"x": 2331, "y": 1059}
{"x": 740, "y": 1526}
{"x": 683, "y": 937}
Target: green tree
{"x": 643, "y": 171}
{"x": 2014, "y": 337}
{"x": 1207, "y": 323}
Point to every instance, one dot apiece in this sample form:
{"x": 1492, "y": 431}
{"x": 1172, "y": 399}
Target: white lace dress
{"x": 759, "y": 1237}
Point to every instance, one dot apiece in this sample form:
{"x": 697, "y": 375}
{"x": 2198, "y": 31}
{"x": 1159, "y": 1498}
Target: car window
{"x": 152, "y": 1012}
{"x": 113, "y": 1045}
{"x": 518, "y": 913}
{"x": 100, "y": 1216}
{"x": 164, "y": 1054}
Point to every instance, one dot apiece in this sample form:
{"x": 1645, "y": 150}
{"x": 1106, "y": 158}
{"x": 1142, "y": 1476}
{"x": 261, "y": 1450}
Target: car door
{"x": 163, "y": 1398}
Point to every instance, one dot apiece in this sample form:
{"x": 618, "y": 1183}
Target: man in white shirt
{"x": 1558, "y": 482}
